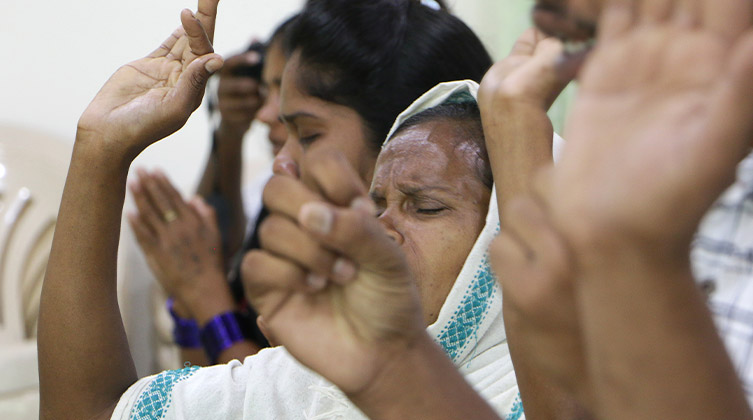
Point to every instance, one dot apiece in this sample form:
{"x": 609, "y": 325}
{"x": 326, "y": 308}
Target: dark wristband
{"x": 185, "y": 331}
{"x": 219, "y": 334}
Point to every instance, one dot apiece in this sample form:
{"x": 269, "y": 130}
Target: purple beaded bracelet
{"x": 219, "y": 334}
{"x": 185, "y": 331}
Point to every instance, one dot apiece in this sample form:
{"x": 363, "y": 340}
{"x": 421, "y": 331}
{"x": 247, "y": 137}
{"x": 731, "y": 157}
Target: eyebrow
{"x": 290, "y": 118}
{"x": 411, "y": 190}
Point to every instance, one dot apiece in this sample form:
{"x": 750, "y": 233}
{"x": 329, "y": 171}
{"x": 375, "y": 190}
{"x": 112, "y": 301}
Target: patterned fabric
{"x": 722, "y": 257}
{"x": 465, "y": 322}
{"x": 517, "y": 410}
{"x": 155, "y": 400}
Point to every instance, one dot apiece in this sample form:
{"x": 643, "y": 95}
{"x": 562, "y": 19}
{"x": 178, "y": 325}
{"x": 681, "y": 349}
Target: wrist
{"x": 185, "y": 330}
{"x": 418, "y": 380}
{"x": 231, "y": 133}
{"x": 209, "y": 295}
{"x": 101, "y": 153}
{"x": 220, "y": 333}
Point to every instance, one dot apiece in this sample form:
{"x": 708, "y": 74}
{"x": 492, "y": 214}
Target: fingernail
{"x": 316, "y": 217}
{"x": 213, "y": 65}
{"x": 343, "y": 271}
{"x": 364, "y": 204}
{"x": 316, "y": 282}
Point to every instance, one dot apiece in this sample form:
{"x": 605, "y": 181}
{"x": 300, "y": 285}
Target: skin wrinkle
{"x": 427, "y": 167}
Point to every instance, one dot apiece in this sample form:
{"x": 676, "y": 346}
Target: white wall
{"x": 57, "y": 55}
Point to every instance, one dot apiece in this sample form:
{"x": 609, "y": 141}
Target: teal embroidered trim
{"x": 517, "y": 409}
{"x": 155, "y": 400}
{"x": 464, "y": 324}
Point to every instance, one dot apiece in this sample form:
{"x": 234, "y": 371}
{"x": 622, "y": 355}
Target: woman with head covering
{"x": 352, "y": 68}
{"x": 432, "y": 191}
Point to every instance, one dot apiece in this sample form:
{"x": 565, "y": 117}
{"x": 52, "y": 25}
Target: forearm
{"x": 84, "y": 359}
{"x": 654, "y": 351}
{"x": 518, "y": 141}
{"x": 542, "y": 397}
{"x": 422, "y": 383}
{"x": 222, "y": 176}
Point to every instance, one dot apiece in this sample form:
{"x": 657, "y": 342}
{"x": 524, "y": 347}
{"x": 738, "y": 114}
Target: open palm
{"x": 662, "y": 116}
{"x": 152, "y": 97}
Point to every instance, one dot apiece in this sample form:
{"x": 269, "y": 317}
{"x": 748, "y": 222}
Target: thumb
{"x": 193, "y": 80}
{"x": 353, "y": 232}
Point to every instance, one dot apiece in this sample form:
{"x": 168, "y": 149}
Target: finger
{"x": 198, "y": 40}
{"x": 728, "y": 18}
{"x": 526, "y": 44}
{"x": 170, "y": 194}
{"x": 732, "y": 127}
{"x": 192, "y": 81}
{"x": 264, "y": 328}
{"x": 207, "y": 14}
{"x": 144, "y": 236}
{"x": 655, "y": 11}
{"x": 284, "y": 238}
{"x": 238, "y": 86}
{"x": 351, "y": 232}
{"x": 286, "y": 195}
{"x": 249, "y": 58}
{"x": 160, "y": 201}
{"x": 687, "y": 13}
{"x": 168, "y": 45}
{"x": 329, "y": 172}
{"x": 263, "y": 273}
{"x": 150, "y": 216}
{"x": 617, "y": 17}
{"x": 204, "y": 212}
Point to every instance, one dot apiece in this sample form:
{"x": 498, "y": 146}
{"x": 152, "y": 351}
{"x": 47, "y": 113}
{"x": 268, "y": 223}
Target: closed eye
{"x": 306, "y": 141}
{"x": 431, "y": 211}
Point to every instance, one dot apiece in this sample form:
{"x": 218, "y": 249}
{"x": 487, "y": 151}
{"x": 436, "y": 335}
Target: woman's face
{"x": 271, "y": 77}
{"x": 432, "y": 203}
{"x": 313, "y": 123}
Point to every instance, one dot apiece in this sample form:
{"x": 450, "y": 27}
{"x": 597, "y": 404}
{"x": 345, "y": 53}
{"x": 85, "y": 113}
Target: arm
{"x": 238, "y": 101}
{"x": 514, "y": 98}
{"x": 661, "y": 120}
{"x": 184, "y": 253}
{"x": 84, "y": 361}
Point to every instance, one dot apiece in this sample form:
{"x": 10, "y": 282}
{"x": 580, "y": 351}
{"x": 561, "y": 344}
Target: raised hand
{"x": 661, "y": 119}
{"x": 330, "y": 284}
{"x": 535, "y": 72}
{"x": 238, "y": 96}
{"x": 181, "y": 243}
{"x": 150, "y": 98}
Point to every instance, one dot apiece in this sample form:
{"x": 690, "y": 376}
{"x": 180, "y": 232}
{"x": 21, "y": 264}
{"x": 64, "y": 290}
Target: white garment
{"x": 273, "y": 385}
{"x": 722, "y": 258}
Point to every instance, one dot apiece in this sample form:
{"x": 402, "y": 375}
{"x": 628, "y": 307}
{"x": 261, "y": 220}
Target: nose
{"x": 286, "y": 160}
{"x": 393, "y": 231}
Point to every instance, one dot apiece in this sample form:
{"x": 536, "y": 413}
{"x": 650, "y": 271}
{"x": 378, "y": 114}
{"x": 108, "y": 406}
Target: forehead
{"x": 429, "y": 150}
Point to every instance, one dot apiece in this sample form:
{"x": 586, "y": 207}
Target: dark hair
{"x": 279, "y": 34}
{"x": 378, "y": 56}
{"x": 468, "y": 119}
